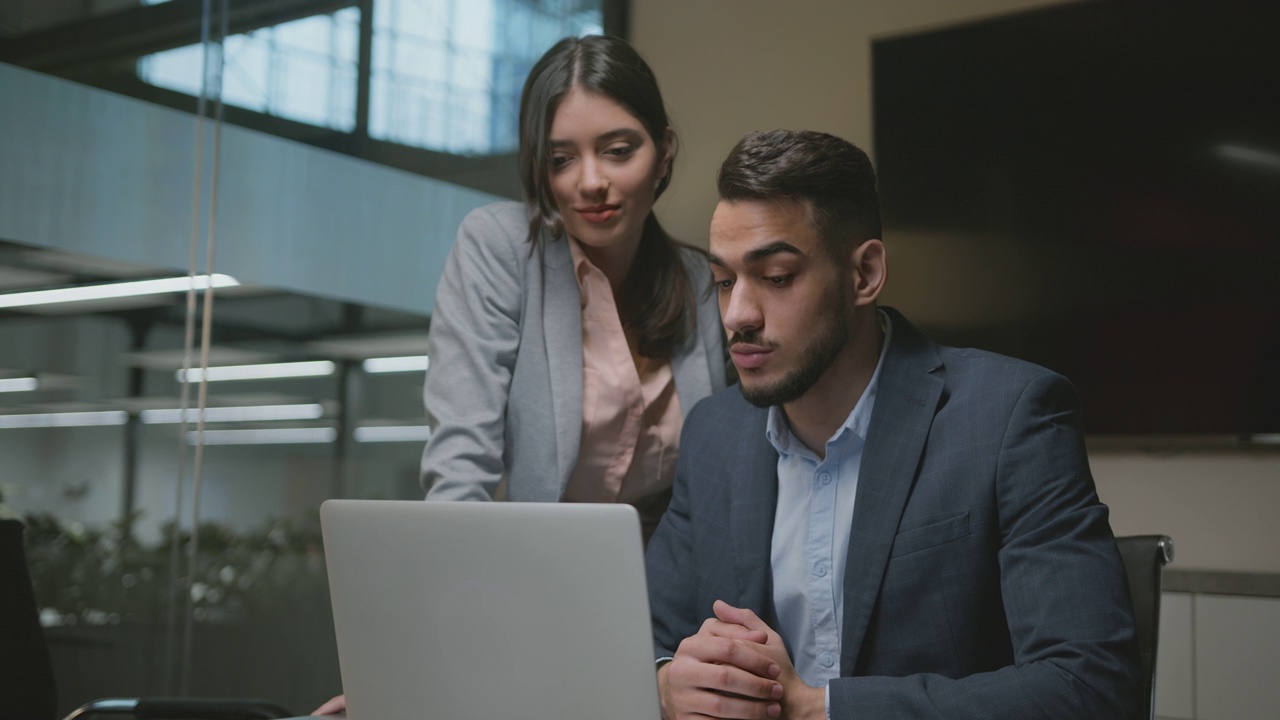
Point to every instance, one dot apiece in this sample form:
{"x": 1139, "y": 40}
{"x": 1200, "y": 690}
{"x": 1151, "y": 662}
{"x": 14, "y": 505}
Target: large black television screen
{"x": 1132, "y": 149}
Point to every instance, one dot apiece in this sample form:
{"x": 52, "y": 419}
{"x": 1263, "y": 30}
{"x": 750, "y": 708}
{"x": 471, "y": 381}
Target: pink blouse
{"x": 631, "y": 414}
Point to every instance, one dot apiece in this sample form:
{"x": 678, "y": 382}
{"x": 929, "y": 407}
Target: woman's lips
{"x": 749, "y": 357}
{"x": 598, "y": 213}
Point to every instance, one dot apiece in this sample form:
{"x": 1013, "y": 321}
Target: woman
{"x": 571, "y": 334}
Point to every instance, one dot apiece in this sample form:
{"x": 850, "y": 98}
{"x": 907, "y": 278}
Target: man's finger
{"x": 726, "y": 680}
{"x": 723, "y": 652}
{"x": 738, "y": 616}
{"x": 733, "y": 631}
{"x": 715, "y": 705}
{"x": 751, "y": 657}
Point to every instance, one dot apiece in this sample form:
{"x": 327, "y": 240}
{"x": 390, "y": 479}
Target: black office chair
{"x": 1144, "y": 559}
{"x": 180, "y": 709}
{"x": 26, "y": 676}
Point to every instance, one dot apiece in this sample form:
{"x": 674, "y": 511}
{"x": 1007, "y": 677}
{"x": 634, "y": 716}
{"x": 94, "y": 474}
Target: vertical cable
{"x": 206, "y": 331}
{"x": 188, "y": 343}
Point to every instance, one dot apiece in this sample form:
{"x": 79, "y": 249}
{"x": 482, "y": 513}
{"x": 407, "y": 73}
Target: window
{"x": 304, "y": 70}
{"x": 447, "y": 74}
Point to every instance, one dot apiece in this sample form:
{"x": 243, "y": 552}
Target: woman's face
{"x": 604, "y": 170}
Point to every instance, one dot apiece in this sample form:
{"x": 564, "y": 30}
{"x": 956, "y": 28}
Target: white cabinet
{"x": 1219, "y": 657}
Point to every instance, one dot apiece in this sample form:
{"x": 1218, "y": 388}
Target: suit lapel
{"x": 691, "y": 365}
{"x": 694, "y": 361}
{"x": 754, "y": 482}
{"x": 907, "y": 397}
{"x": 562, "y": 330}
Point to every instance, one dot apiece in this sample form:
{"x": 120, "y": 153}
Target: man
{"x": 871, "y": 525}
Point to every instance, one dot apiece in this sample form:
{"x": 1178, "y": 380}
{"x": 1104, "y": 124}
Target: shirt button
{"x": 820, "y": 570}
{"x": 825, "y": 478}
{"x": 828, "y": 660}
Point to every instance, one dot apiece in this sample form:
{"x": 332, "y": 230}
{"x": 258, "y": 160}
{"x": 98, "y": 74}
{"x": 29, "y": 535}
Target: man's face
{"x": 785, "y": 303}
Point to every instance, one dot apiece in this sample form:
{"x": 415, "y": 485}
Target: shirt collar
{"x": 778, "y": 430}
{"x": 581, "y": 264}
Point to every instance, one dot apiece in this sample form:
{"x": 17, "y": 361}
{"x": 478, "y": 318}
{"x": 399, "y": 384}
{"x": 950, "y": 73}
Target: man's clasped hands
{"x": 736, "y": 668}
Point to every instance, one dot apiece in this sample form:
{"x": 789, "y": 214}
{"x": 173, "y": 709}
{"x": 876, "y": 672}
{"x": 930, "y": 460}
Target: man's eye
{"x": 722, "y": 284}
{"x": 778, "y": 280}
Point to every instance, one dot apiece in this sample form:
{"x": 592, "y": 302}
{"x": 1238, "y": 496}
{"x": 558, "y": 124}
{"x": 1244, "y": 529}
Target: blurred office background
{"x": 351, "y": 138}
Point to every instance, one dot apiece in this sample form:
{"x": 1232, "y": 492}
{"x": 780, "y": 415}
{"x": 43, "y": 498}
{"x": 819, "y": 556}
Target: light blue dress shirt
{"x": 811, "y": 533}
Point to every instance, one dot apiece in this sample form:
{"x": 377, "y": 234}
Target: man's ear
{"x": 870, "y": 267}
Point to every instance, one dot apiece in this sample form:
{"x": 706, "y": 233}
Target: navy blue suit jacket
{"x": 982, "y": 580}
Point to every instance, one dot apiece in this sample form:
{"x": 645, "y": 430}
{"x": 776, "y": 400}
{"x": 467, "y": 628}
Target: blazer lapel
{"x": 562, "y": 330}
{"x": 906, "y": 399}
{"x": 754, "y": 483}
{"x": 691, "y": 364}
{"x": 690, "y": 369}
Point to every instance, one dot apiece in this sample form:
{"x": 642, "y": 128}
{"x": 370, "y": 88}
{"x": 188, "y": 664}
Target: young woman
{"x": 571, "y": 333}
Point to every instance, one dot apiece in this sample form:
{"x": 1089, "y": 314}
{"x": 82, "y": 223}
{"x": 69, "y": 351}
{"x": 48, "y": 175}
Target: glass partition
{"x": 307, "y": 398}
{"x": 174, "y": 551}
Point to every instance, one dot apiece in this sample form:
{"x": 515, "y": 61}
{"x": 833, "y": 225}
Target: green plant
{"x": 100, "y": 576}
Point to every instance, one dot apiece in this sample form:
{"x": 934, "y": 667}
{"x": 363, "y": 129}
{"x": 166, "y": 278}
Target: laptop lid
{"x": 487, "y": 611}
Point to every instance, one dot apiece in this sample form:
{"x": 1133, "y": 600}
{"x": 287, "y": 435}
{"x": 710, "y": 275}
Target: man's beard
{"x": 815, "y": 359}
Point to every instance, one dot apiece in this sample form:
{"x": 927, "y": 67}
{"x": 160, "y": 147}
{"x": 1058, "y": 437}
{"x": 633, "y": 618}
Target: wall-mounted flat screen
{"x": 1127, "y": 154}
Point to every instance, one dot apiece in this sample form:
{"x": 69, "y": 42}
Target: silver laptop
{"x": 490, "y": 611}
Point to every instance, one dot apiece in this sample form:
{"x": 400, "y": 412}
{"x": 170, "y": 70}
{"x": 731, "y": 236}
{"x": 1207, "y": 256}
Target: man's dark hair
{"x": 831, "y": 177}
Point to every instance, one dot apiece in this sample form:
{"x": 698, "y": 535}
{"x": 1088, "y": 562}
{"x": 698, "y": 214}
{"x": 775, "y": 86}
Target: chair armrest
{"x": 162, "y": 708}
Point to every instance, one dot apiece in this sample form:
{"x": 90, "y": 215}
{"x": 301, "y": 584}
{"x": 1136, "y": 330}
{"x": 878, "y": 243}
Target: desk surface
{"x": 1222, "y": 582}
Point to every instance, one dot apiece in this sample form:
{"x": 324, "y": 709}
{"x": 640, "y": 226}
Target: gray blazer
{"x": 982, "y": 578}
{"x": 504, "y": 392}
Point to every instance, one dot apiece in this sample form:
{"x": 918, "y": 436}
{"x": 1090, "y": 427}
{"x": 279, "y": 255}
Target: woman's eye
{"x": 620, "y": 151}
{"x": 558, "y": 161}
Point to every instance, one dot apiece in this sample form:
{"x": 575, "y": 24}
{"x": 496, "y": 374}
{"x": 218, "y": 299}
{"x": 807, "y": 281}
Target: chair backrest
{"x": 1144, "y": 559}
{"x": 26, "y": 677}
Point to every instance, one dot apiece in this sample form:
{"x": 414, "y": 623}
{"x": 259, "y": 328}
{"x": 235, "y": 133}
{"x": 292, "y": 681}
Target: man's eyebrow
{"x": 774, "y": 248}
{"x": 610, "y": 136}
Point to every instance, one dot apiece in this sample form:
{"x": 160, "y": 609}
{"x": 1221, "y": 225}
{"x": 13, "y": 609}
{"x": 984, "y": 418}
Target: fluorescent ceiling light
{"x": 275, "y": 436}
{"x": 68, "y": 419}
{"x": 309, "y": 368}
{"x": 393, "y": 433}
{"x": 115, "y": 290}
{"x": 407, "y": 363}
{"x": 20, "y": 384}
{"x": 1250, "y": 155}
{"x": 245, "y": 413}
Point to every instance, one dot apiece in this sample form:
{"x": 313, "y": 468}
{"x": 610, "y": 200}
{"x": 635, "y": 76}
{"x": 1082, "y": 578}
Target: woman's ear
{"x": 668, "y": 153}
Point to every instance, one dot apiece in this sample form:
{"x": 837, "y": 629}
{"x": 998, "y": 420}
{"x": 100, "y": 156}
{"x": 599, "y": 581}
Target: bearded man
{"x": 870, "y": 525}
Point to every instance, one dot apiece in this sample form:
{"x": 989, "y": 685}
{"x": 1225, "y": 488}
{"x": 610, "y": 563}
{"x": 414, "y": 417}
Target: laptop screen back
{"x": 490, "y": 610}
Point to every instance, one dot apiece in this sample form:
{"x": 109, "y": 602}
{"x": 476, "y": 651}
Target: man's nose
{"x": 740, "y": 312}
